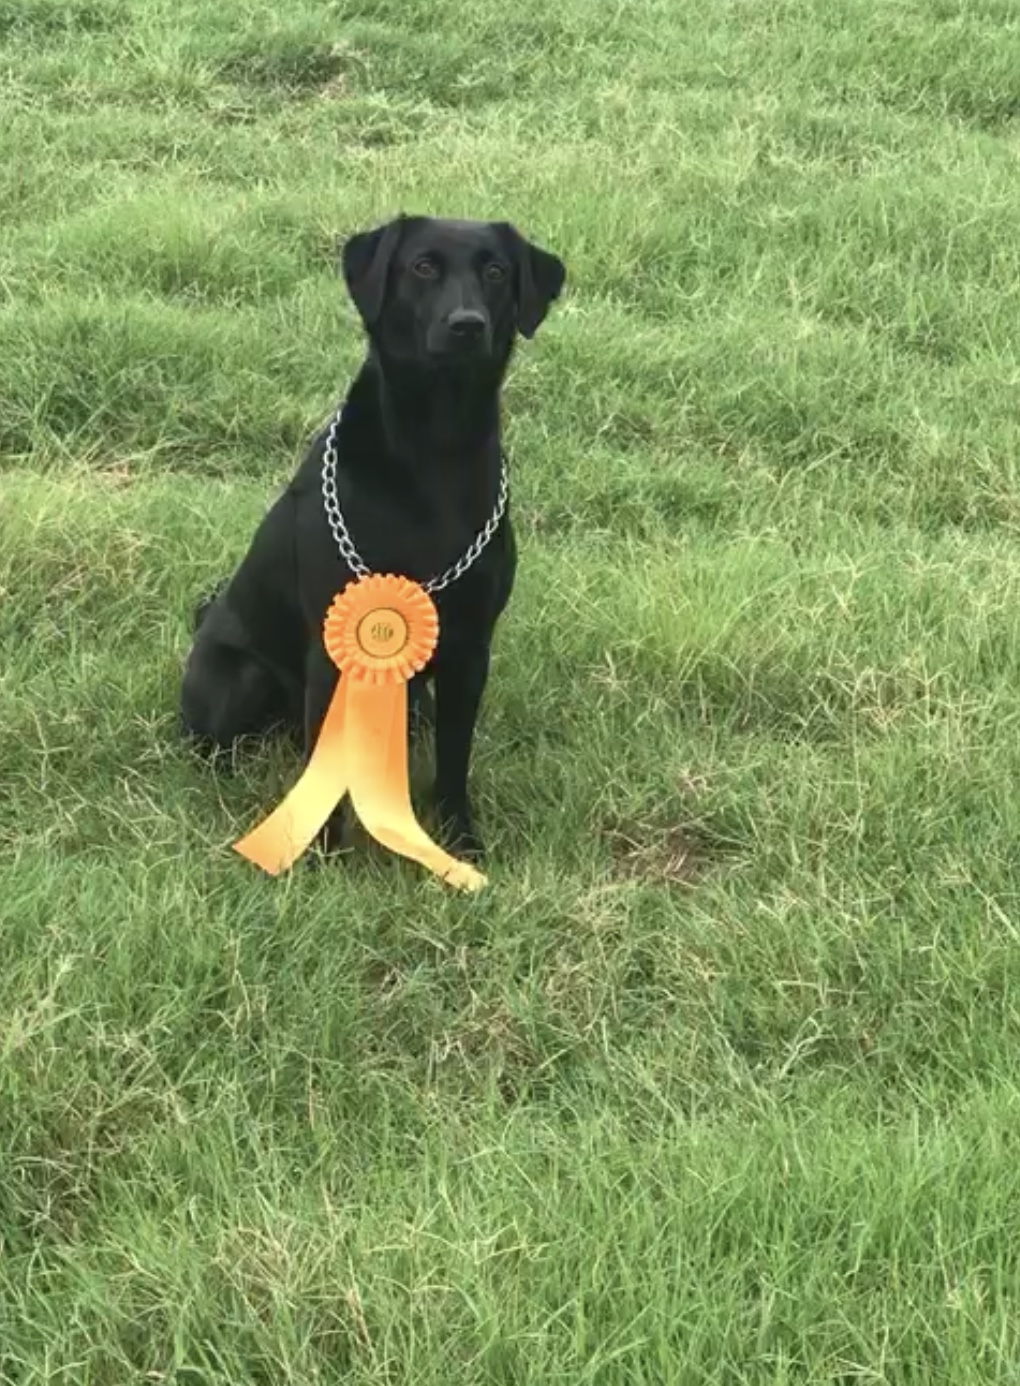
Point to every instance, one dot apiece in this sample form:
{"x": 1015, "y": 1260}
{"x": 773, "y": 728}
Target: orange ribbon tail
{"x": 290, "y": 829}
{"x": 376, "y": 723}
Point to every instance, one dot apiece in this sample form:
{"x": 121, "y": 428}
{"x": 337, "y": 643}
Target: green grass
{"x": 720, "y": 1082}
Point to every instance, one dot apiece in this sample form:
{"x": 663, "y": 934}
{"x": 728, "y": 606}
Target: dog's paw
{"x": 468, "y": 846}
{"x": 460, "y": 836}
{"x": 336, "y": 839}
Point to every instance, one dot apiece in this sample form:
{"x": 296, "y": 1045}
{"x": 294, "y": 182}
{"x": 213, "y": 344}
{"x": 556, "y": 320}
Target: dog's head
{"x": 449, "y": 293}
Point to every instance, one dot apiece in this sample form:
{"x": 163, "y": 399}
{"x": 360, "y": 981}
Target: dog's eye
{"x": 494, "y": 272}
{"x": 425, "y": 268}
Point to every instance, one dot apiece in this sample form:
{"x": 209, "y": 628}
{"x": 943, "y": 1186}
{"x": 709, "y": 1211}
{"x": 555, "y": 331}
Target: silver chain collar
{"x": 345, "y": 543}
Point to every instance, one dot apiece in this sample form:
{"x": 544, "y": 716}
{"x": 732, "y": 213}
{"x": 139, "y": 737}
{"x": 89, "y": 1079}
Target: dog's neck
{"x": 435, "y": 422}
{"x": 419, "y": 462}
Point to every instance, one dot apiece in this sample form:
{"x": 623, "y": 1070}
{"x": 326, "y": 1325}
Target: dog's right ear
{"x": 365, "y": 260}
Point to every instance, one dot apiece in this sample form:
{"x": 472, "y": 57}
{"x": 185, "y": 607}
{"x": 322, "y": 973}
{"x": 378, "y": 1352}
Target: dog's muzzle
{"x": 465, "y": 332}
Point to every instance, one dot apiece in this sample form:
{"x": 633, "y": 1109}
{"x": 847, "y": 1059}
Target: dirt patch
{"x": 302, "y": 68}
{"x": 674, "y": 856}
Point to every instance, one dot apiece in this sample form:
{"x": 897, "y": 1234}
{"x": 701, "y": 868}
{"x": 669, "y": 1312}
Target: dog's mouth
{"x": 446, "y": 343}
{"x": 458, "y": 355}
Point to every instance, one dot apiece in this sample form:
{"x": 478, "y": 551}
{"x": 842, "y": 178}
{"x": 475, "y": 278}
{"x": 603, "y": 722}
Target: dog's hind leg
{"x": 228, "y": 695}
{"x": 204, "y": 606}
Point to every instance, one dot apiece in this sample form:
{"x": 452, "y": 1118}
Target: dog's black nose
{"x": 466, "y": 323}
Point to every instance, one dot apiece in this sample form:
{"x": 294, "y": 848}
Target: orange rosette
{"x": 379, "y": 632}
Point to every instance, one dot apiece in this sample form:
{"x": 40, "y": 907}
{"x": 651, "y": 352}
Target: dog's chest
{"x": 400, "y": 534}
{"x": 389, "y": 537}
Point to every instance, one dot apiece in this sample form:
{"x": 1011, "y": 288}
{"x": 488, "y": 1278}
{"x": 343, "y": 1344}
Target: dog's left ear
{"x": 540, "y": 279}
{"x": 365, "y": 260}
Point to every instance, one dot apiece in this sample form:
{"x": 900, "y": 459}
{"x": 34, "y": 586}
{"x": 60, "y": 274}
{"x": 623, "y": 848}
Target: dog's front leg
{"x": 461, "y": 674}
{"x": 320, "y": 683}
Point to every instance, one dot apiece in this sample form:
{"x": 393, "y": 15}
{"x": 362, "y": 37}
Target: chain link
{"x": 345, "y": 543}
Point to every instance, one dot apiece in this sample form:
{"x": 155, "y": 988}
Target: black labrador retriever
{"x": 408, "y": 478}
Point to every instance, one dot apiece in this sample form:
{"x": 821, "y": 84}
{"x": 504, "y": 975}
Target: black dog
{"x": 418, "y": 470}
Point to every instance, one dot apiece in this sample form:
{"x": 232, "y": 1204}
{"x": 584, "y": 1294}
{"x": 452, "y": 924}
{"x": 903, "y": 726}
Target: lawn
{"x": 719, "y": 1082}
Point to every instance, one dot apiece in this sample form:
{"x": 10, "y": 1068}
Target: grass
{"x": 719, "y": 1082}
